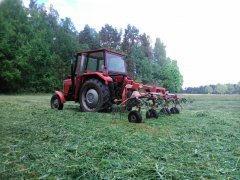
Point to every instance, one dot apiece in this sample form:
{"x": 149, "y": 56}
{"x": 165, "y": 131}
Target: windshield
{"x": 115, "y": 63}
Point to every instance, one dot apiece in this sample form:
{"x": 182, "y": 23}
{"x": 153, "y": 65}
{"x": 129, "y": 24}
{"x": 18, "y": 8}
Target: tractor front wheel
{"x": 94, "y": 96}
{"x": 135, "y": 117}
{"x": 56, "y": 103}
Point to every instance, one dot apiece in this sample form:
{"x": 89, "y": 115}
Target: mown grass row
{"x": 203, "y": 141}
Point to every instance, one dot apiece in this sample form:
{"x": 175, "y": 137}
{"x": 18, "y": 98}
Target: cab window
{"x": 95, "y": 61}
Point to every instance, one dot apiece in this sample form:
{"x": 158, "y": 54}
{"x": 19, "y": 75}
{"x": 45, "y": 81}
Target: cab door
{"x": 80, "y": 69}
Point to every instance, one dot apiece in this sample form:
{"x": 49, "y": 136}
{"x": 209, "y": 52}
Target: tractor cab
{"x": 96, "y": 76}
{"x": 101, "y": 61}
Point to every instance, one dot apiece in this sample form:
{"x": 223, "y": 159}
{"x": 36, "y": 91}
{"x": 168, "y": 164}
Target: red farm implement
{"x": 99, "y": 82}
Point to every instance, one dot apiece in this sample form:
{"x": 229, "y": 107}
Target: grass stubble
{"x": 36, "y": 142}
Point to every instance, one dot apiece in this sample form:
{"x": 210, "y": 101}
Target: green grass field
{"x": 202, "y": 142}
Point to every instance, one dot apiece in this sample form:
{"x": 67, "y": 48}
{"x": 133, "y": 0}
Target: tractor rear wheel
{"x": 94, "y": 96}
{"x": 135, "y": 117}
{"x": 56, "y": 103}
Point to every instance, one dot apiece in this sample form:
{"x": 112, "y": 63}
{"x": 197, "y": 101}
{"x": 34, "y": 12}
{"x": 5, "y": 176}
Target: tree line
{"x": 36, "y": 46}
{"x": 214, "y": 89}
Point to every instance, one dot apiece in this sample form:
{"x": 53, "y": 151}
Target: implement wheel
{"x": 135, "y": 117}
{"x": 154, "y": 113}
{"x": 56, "y": 103}
{"x": 151, "y": 113}
{"x": 165, "y": 110}
{"x": 175, "y": 110}
{"x": 148, "y": 114}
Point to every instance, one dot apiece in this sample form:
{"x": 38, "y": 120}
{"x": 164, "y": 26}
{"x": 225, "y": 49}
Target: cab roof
{"x": 101, "y": 50}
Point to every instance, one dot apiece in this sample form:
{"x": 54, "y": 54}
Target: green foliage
{"x": 143, "y": 70}
{"x": 146, "y": 45}
{"x": 157, "y": 69}
{"x": 230, "y": 88}
{"x": 159, "y": 53}
{"x": 171, "y": 77}
{"x": 110, "y": 38}
{"x": 37, "y": 142}
{"x": 36, "y": 47}
{"x": 214, "y": 89}
{"x": 157, "y": 74}
{"x": 221, "y": 88}
{"x": 130, "y": 38}
{"x": 12, "y": 28}
{"x": 90, "y": 37}
{"x": 208, "y": 90}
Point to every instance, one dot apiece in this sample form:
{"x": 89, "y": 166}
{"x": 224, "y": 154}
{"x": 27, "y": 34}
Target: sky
{"x": 202, "y": 35}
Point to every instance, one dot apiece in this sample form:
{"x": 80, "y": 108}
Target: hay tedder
{"x": 99, "y": 82}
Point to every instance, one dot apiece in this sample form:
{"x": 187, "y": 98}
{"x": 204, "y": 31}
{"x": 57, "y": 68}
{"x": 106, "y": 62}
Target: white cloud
{"x": 202, "y": 35}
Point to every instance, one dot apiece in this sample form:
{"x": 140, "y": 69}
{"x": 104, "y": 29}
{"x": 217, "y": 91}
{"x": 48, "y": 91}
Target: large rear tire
{"x": 94, "y": 96}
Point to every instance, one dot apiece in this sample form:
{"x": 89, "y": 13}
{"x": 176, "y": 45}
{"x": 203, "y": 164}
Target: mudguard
{"x": 106, "y": 79}
{"x": 61, "y": 96}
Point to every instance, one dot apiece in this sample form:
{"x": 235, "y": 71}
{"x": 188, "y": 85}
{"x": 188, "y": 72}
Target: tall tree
{"x": 65, "y": 43}
{"x": 238, "y": 87}
{"x": 130, "y": 38}
{"x": 208, "y": 90}
{"x": 110, "y": 38}
{"x": 13, "y": 27}
{"x": 35, "y": 48}
{"x": 221, "y": 88}
{"x": 145, "y": 42}
{"x": 160, "y": 53}
{"x": 142, "y": 68}
{"x": 90, "y": 37}
{"x": 230, "y": 88}
{"x": 156, "y": 74}
{"x": 38, "y": 69}
{"x": 171, "y": 76}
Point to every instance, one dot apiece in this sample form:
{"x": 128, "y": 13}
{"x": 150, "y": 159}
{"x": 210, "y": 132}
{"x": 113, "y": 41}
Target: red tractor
{"x": 99, "y": 80}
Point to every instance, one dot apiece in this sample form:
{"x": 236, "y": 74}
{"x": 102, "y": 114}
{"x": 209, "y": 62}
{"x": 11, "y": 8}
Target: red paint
{"x": 67, "y": 83}
{"x": 118, "y": 81}
{"x": 106, "y": 79}
{"x": 61, "y": 96}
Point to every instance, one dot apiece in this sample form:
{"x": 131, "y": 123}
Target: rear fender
{"x": 61, "y": 96}
{"x": 106, "y": 79}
